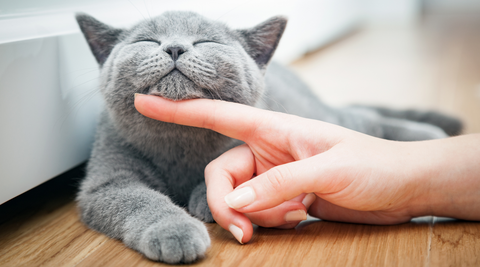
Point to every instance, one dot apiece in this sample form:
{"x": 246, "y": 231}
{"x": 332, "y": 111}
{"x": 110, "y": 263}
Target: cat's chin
{"x": 176, "y": 86}
{"x": 175, "y": 98}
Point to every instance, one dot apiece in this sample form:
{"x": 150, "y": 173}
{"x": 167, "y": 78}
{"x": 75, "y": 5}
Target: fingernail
{"x": 136, "y": 94}
{"x": 308, "y": 200}
{"x": 236, "y": 232}
{"x": 295, "y": 216}
{"x": 240, "y": 198}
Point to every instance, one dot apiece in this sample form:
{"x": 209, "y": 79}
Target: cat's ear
{"x": 100, "y": 37}
{"x": 262, "y": 40}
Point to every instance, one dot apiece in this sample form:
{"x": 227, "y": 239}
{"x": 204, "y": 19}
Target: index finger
{"x": 231, "y": 119}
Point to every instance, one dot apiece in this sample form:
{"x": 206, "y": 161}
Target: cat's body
{"x": 144, "y": 174}
{"x": 285, "y": 92}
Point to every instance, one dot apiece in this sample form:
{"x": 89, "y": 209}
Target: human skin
{"x": 288, "y": 162}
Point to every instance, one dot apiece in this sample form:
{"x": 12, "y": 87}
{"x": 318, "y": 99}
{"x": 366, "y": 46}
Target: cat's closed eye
{"x": 205, "y": 42}
{"x": 148, "y": 40}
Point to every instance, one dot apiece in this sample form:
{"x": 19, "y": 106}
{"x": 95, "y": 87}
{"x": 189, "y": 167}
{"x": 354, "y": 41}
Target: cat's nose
{"x": 175, "y": 51}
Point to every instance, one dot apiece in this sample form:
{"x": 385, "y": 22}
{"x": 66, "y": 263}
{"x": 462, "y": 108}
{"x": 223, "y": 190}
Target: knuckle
{"x": 212, "y": 170}
{"x": 208, "y": 172}
{"x": 277, "y": 178}
{"x": 209, "y": 169}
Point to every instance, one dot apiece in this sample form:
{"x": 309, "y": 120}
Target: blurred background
{"x": 398, "y": 53}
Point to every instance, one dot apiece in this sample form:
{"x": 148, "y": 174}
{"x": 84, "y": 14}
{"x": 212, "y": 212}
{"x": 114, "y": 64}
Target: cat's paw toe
{"x": 179, "y": 241}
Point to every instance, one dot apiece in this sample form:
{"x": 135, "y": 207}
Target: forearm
{"x": 449, "y": 171}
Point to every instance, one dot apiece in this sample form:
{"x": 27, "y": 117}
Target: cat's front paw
{"x": 198, "y": 206}
{"x": 176, "y": 241}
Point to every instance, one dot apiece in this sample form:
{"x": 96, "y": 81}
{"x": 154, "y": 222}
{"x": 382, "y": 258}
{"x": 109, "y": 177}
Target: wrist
{"x": 420, "y": 168}
{"x": 446, "y": 178}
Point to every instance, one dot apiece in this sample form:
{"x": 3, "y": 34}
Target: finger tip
{"x": 138, "y": 102}
{"x": 308, "y": 200}
{"x": 288, "y": 226}
{"x": 236, "y": 223}
{"x": 236, "y": 232}
{"x": 242, "y": 232}
{"x": 295, "y": 216}
{"x": 247, "y": 230}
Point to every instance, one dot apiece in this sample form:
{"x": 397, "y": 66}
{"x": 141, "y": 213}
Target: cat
{"x": 144, "y": 175}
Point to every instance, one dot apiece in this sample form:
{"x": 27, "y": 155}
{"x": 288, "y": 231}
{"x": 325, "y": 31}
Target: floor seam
{"x": 430, "y": 235}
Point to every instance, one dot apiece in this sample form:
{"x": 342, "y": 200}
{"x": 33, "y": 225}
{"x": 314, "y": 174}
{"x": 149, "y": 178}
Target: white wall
{"x": 311, "y": 22}
{"x": 391, "y": 12}
{"x": 449, "y": 6}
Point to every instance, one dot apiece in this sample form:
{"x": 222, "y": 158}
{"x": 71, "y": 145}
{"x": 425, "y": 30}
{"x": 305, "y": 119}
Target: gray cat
{"x": 143, "y": 175}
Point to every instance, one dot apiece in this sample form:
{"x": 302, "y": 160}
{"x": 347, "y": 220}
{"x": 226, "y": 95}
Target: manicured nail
{"x": 236, "y": 232}
{"x": 136, "y": 94}
{"x": 308, "y": 200}
{"x": 240, "y": 198}
{"x": 295, "y": 216}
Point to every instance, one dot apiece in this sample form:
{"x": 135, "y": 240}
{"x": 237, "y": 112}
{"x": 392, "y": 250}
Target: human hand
{"x": 354, "y": 177}
{"x": 286, "y": 215}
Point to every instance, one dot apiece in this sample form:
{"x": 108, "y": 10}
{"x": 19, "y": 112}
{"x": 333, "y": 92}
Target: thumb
{"x": 277, "y": 185}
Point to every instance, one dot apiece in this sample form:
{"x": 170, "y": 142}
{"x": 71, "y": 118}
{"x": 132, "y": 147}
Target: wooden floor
{"x": 434, "y": 65}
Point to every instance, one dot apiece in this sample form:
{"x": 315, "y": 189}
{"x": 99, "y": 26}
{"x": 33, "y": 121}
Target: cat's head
{"x": 181, "y": 55}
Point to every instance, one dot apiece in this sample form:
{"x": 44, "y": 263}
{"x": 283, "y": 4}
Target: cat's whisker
{"x": 229, "y": 80}
{"x": 196, "y": 59}
{"x": 208, "y": 72}
{"x": 281, "y": 108}
{"x": 232, "y": 9}
{"x": 205, "y": 74}
{"x": 83, "y": 83}
{"x": 87, "y": 96}
{"x": 216, "y": 92}
{"x": 88, "y": 70}
{"x": 146, "y": 8}
{"x": 141, "y": 14}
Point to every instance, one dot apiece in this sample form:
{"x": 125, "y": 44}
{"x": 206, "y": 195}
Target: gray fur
{"x": 198, "y": 205}
{"x": 143, "y": 174}
{"x": 451, "y": 126}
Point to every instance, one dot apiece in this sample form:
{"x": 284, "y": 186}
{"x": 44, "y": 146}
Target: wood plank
{"x": 58, "y": 238}
{"x": 313, "y": 243}
{"x": 48, "y": 239}
{"x": 455, "y": 243}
